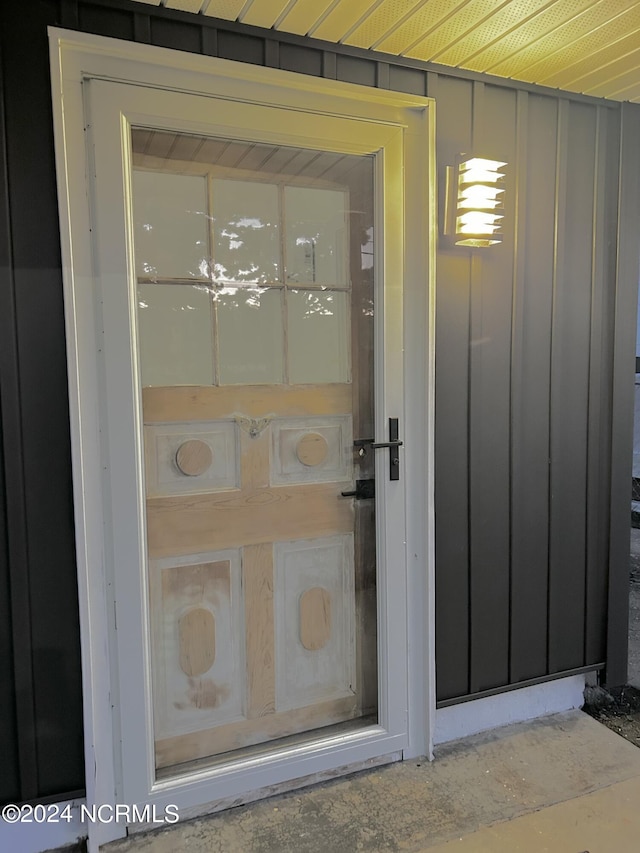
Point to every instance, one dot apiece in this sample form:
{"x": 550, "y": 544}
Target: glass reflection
{"x": 245, "y": 218}
{"x": 315, "y": 225}
{"x": 275, "y": 256}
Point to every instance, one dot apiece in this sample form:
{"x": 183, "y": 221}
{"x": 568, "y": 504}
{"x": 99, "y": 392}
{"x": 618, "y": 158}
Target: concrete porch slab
{"x": 600, "y": 822}
{"x": 476, "y": 784}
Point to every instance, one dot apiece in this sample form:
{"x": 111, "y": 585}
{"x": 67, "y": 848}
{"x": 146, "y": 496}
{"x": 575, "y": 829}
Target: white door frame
{"x": 75, "y": 60}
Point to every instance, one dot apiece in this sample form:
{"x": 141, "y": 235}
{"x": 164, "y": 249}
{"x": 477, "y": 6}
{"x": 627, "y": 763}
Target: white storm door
{"x": 231, "y": 354}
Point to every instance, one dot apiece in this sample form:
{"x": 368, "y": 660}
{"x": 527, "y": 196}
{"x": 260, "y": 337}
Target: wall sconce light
{"x": 474, "y": 202}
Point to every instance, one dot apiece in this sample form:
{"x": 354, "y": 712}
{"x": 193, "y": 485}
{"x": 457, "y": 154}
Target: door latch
{"x": 393, "y": 444}
{"x": 364, "y": 489}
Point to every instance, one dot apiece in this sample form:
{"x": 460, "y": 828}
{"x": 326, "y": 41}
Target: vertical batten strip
{"x": 626, "y": 302}
{"x": 477, "y": 107}
{"x": 530, "y": 400}
{"x": 329, "y": 65}
{"x": 432, "y": 85}
{"x": 570, "y": 394}
{"x": 272, "y": 53}
{"x": 594, "y": 532}
{"x": 473, "y": 372}
{"x": 142, "y": 28}
{"x": 475, "y": 308}
{"x": 495, "y": 120}
{"x": 69, "y": 14}
{"x": 558, "y": 279}
{"x": 382, "y": 75}
{"x": 208, "y": 42}
{"x": 451, "y": 415}
{"x": 519, "y": 169}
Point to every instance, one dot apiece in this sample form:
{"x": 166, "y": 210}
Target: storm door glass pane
{"x": 261, "y": 573}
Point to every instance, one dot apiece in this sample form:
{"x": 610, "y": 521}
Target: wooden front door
{"x": 255, "y": 313}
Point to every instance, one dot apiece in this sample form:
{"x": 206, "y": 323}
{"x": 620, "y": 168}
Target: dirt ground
{"x": 619, "y": 710}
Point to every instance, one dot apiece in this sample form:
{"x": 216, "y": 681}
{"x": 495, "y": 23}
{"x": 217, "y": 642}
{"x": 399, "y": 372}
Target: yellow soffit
{"x": 587, "y": 46}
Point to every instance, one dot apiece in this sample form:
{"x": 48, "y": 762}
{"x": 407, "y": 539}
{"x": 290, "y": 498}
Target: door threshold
{"x": 267, "y": 791}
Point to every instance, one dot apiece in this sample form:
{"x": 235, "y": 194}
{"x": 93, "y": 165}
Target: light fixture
{"x": 474, "y": 202}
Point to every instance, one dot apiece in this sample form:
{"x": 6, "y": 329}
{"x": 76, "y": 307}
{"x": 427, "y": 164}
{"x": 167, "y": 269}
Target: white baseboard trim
{"x": 47, "y": 827}
{"x": 514, "y": 706}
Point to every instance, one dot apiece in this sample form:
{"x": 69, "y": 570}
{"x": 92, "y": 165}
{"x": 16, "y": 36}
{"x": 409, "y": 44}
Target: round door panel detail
{"x": 197, "y": 641}
{"x": 194, "y": 457}
{"x": 312, "y": 449}
{"x": 315, "y": 618}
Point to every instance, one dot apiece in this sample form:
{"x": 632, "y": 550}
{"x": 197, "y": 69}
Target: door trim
{"x": 77, "y": 58}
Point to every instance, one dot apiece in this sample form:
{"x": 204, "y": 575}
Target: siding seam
{"x": 475, "y": 355}
{"x": 558, "y": 276}
{"x": 593, "y": 363}
{"x": 517, "y": 312}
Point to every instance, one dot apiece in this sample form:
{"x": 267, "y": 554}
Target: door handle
{"x": 393, "y": 444}
{"x": 364, "y": 489}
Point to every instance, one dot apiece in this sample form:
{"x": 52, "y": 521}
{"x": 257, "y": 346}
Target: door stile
{"x": 73, "y": 166}
{"x": 390, "y": 496}
{"x": 123, "y": 449}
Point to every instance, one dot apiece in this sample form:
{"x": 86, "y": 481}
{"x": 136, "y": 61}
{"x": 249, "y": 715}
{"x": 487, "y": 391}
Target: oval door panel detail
{"x": 315, "y": 618}
{"x": 194, "y": 457}
{"x": 197, "y": 633}
{"x": 312, "y": 449}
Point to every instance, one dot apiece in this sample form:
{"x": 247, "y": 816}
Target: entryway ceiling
{"x": 576, "y": 45}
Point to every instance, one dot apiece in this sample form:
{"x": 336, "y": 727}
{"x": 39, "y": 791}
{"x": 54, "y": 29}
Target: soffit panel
{"x": 228, "y": 10}
{"x": 342, "y": 19}
{"x": 613, "y": 88}
{"x": 381, "y": 21}
{"x": 424, "y": 20}
{"x": 513, "y": 28}
{"x": 608, "y": 75}
{"x": 302, "y": 15}
{"x": 263, "y": 14}
{"x": 574, "y": 39}
{"x": 475, "y": 14}
{"x": 587, "y": 46}
{"x": 185, "y": 5}
{"x": 600, "y": 60}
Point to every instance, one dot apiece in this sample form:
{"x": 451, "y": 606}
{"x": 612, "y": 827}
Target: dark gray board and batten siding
{"x": 529, "y": 337}
{"x": 524, "y": 350}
